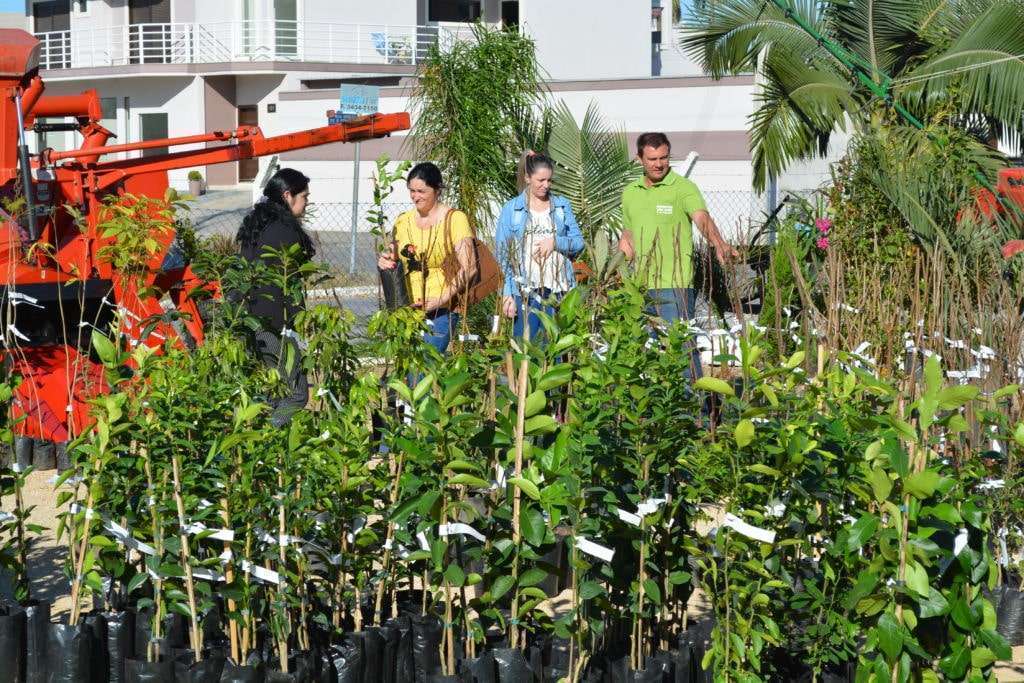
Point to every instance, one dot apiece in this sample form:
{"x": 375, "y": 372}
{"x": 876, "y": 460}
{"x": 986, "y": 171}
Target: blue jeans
{"x": 539, "y": 300}
{"x": 673, "y": 305}
{"x": 445, "y": 323}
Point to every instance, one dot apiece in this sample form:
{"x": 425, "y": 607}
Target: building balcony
{"x": 244, "y": 41}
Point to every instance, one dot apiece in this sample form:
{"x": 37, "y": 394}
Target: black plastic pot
{"x": 44, "y": 455}
{"x": 12, "y": 646}
{"x": 234, "y": 673}
{"x": 513, "y": 667}
{"x": 23, "y": 447}
{"x": 347, "y": 659}
{"x": 426, "y": 647}
{"x": 99, "y": 667}
{"x": 399, "y": 632}
{"x": 373, "y": 655}
{"x": 120, "y": 642}
{"x": 1010, "y": 615}
{"x": 141, "y": 671}
{"x": 37, "y": 635}
{"x": 482, "y": 669}
{"x": 70, "y": 653}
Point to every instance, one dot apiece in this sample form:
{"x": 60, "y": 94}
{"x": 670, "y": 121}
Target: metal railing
{"x": 243, "y": 41}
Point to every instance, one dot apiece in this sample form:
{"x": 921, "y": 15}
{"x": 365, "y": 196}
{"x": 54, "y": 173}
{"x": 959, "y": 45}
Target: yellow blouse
{"x": 430, "y": 248}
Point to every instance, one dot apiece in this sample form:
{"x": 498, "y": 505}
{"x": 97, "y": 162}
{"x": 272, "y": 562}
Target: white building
{"x": 168, "y": 68}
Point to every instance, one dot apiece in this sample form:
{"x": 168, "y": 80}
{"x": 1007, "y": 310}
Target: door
{"x": 149, "y": 31}
{"x": 153, "y": 127}
{"x": 53, "y": 18}
{"x": 248, "y": 168}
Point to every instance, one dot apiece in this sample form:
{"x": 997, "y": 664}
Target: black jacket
{"x": 269, "y": 225}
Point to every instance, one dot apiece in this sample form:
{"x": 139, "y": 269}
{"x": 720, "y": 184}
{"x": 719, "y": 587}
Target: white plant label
{"x": 748, "y": 530}
{"x": 629, "y": 517}
{"x": 460, "y": 529}
{"x": 594, "y": 549}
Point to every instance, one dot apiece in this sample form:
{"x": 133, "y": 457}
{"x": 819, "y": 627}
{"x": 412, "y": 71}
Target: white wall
{"x": 181, "y": 98}
{"x": 712, "y": 107}
{"x": 394, "y": 12}
{"x": 14, "y": 20}
{"x": 581, "y": 39}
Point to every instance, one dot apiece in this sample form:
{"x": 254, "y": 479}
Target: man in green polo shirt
{"x": 658, "y": 212}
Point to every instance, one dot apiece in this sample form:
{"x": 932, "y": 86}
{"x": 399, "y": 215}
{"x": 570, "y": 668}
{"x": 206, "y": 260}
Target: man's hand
{"x": 626, "y": 245}
{"x": 725, "y": 252}
{"x": 543, "y": 249}
{"x": 508, "y": 307}
{"x": 388, "y": 258}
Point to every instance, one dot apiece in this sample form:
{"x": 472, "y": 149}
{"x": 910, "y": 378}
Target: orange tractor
{"x": 53, "y": 286}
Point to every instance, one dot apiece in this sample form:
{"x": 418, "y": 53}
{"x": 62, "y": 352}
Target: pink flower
{"x": 823, "y": 225}
{"x": 822, "y": 243}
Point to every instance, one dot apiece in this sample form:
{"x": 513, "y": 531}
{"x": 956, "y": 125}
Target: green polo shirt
{"x": 659, "y": 218}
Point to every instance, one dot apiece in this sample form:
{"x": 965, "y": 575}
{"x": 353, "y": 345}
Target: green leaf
{"x": 955, "y": 665}
{"x": 715, "y": 385}
{"x": 541, "y": 424}
{"x": 526, "y": 486}
{"x": 532, "y": 526}
{"x": 469, "y": 480}
{"x": 994, "y": 641}
{"x": 1009, "y": 390}
{"x": 462, "y": 466}
{"x": 535, "y": 403}
{"x": 104, "y": 348}
{"x": 862, "y": 530}
{"x": 917, "y": 578}
{"x": 501, "y": 585}
{"x": 881, "y": 485}
{"x": 555, "y": 377}
{"x": 764, "y": 469}
{"x": 952, "y": 398}
{"x": 982, "y": 657}
{"x": 934, "y": 605}
{"x": 795, "y": 360}
{"x": 890, "y": 636}
{"x": 590, "y": 590}
{"x": 137, "y": 581}
{"x": 744, "y": 433}
{"x": 652, "y": 590}
{"x": 922, "y": 484}
{"x": 422, "y": 388}
{"x": 454, "y": 575}
{"x": 532, "y": 576}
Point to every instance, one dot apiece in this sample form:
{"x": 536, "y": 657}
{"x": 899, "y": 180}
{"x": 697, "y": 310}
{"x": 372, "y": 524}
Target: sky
{"x": 12, "y": 5}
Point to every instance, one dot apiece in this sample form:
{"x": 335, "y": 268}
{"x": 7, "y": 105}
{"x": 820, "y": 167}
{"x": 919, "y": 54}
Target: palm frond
{"x": 594, "y": 166}
{"x": 799, "y": 108}
{"x": 983, "y": 67}
{"x": 882, "y": 33}
{"x": 726, "y": 37}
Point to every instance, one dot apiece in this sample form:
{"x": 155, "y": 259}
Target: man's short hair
{"x": 654, "y": 140}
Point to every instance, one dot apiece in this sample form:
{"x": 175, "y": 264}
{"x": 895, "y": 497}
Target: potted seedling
{"x": 196, "y": 185}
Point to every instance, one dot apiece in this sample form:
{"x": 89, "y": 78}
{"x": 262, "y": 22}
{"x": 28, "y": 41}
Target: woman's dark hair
{"x": 275, "y": 208}
{"x": 429, "y": 173}
{"x": 529, "y": 163}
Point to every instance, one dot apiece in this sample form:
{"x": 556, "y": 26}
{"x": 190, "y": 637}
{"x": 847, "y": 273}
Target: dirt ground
{"x": 48, "y": 582}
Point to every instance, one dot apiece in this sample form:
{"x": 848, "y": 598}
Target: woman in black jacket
{"x": 275, "y": 222}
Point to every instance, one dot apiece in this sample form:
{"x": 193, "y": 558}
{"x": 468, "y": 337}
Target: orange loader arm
{"x": 250, "y": 143}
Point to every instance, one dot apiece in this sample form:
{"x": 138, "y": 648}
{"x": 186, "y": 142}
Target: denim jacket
{"x": 512, "y": 224}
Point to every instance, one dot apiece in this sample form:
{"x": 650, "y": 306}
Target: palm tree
{"x": 955, "y": 60}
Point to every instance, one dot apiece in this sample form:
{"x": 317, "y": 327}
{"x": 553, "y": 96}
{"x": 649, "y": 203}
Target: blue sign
{"x": 359, "y": 100}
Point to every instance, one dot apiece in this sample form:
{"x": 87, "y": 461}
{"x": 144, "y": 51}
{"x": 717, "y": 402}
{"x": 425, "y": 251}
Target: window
{"x": 109, "y": 120}
{"x": 454, "y": 10}
{"x": 153, "y": 127}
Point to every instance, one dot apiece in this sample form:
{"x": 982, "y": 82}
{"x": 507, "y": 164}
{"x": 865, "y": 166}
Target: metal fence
{"x": 331, "y": 224}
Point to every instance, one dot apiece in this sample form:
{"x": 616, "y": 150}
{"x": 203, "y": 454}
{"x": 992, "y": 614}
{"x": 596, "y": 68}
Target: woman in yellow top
{"x": 423, "y": 243}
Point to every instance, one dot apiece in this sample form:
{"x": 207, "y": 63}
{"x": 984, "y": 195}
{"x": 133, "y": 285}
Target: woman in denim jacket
{"x": 536, "y": 241}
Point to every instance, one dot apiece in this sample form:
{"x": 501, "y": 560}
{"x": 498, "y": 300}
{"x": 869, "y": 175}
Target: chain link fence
{"x": 330, "y": 224}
